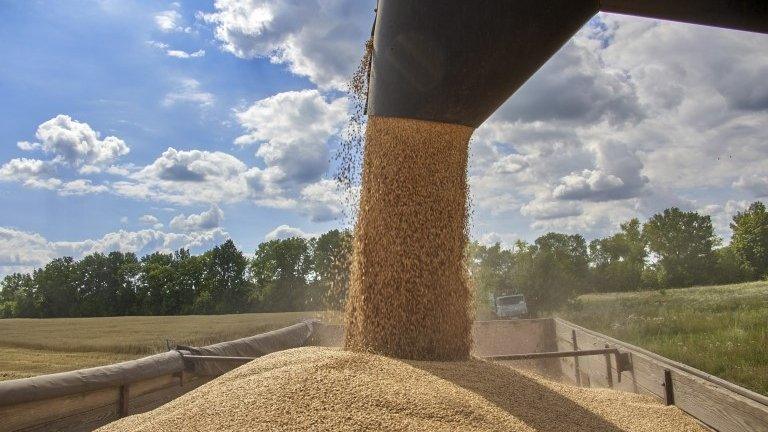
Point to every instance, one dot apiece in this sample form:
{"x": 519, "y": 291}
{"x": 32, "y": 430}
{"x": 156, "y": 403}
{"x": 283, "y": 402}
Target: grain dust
{"x": 409, "y": 295}
{"x": 309, "y": 389}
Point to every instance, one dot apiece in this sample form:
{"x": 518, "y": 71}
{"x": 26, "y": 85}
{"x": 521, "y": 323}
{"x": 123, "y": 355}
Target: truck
{"x": 510, "y": 306}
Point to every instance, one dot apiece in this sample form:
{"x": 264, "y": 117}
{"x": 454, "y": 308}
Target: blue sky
{"x": 151, "y": 125}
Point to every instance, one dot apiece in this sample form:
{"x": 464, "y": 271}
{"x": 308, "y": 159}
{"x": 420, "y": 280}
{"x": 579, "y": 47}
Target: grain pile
{"x": 409, "y": 295}
{"x": 309, "y": 389}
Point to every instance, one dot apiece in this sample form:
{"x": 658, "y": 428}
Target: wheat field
{"x": 31, "y": 347}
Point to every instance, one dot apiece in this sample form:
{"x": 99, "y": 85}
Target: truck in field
{"x": 510, "y": 306}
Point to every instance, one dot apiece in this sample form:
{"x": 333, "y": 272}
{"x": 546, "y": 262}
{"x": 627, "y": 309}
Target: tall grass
{"x": 722, "y": 330}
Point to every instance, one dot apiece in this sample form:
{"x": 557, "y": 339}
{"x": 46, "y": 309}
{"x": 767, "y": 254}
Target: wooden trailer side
{"x": 720, "y": 405}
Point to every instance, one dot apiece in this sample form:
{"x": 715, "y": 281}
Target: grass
{"x": 722, "y": 330}
{"x": 37, "y": 346}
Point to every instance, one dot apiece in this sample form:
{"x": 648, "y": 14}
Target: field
{"x": 722, "y": 330}
{"x": 37, "y": 346}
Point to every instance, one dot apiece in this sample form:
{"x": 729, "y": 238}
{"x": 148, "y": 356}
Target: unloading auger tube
{"x": 457, "y": 61}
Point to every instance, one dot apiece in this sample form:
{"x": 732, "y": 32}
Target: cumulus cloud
{"x": 320, "y": 39}
{"x": 151, "y": 220}
{"x": 189, "y": 90}
{"x": 38, "y": 174}
{"x": 322, "y": 201}
{"x": 631, "y": 117}
{"x": 285, "y": 232}
{"x": 506, "y": 240}
{"x": 188, "y": 177}
{"x": 23, "y": 169}
{"x": 541, "y": 209}
{"x": 76, "y": 143}
{"x": 184, "y": 54}
{"x": 292, "y": 129}
{"x": 22, "y": 251}
{"x": 169, "y": 21}
{"x": 206, "y": 220}
{"x": 81, "y": 187}
{"x": 618, "y": 176}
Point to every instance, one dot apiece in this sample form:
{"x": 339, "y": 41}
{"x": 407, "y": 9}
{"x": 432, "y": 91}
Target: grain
{"x": 307, "y": 389}
{"x": 409, "y": 295}
{"x": 348, "y": 155}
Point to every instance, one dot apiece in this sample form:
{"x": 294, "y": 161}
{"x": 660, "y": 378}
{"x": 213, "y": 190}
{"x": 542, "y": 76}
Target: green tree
{"x": 750, "y": 239}
{"x": 618, "y": 261}
{"x": 155, "y": 278}
{"x": 683, "y": 242}
{"x": 728, "y": 268}
{"x": 550, "y": 272}
{"x": 106, "y": 283}
{"x": 281, "y": 269}
{"x": 57, "y": 288}
{"x": 225, "y": 278}
{"x": 331, "y": 259}
{"x": 18, "y": 297}
{"x": 490, "y": 268}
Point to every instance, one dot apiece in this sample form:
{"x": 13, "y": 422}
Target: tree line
{"x": 673, "y": 248}
{"x": 283, "y": 275}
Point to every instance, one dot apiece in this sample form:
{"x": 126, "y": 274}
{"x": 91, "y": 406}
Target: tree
{"x": 225, "y": 278}
{"x": 551, "y": 271}
{"x": 281, "y": 269}
{"x": 331, "y": 259}
{"x": 618, "y": 261}
{"x": 490, "y": 268}
{"x": 750, "y": 239}
{"x": 105, "y": 283}
{"x": 57, "y": 289}
{"x": 18, "y": 297}
{"x": 154, "y": 281}
{"x": 729, "y": 268}
{"x": 683, "y": 242}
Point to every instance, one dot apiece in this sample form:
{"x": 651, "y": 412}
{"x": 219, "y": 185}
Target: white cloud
{"x": 507, "y": 240}
{"x": 171, "y": 21}
{"x": 285, "y": 232}
{"x": 22, "y": 251}
{"x": 292, "y": 129}
{"x": 158, "y": 45}
{"x": 542, "y": 210}
{"x": 81, "y": 187}
{"x": 189, "y": 90}
{"x": 320, "y": 39}
{"x": 76, "y": 143}
{"x": 587, "y": 183}
{"x": 185, "y": 55}
{"x": 206, "y": 220}
{"x": 322, "y": 201}
{"x": 22, "y": 168}
{"x": 151, "y": 220}
{"x": 188, "y": 177}
{"x": 631, "y": 117}
{"x": 756, "y": 184}
{"x": 32, "y": 173}
{"x": 28, "y": 146}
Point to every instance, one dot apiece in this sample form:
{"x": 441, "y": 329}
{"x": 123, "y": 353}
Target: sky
{"x": 149, "y": 126}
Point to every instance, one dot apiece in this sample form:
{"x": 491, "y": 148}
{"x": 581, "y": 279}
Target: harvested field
{"x": 409, "y": 294}
{"x": 31, "y": 347}
{"x": 327, "y": 389}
